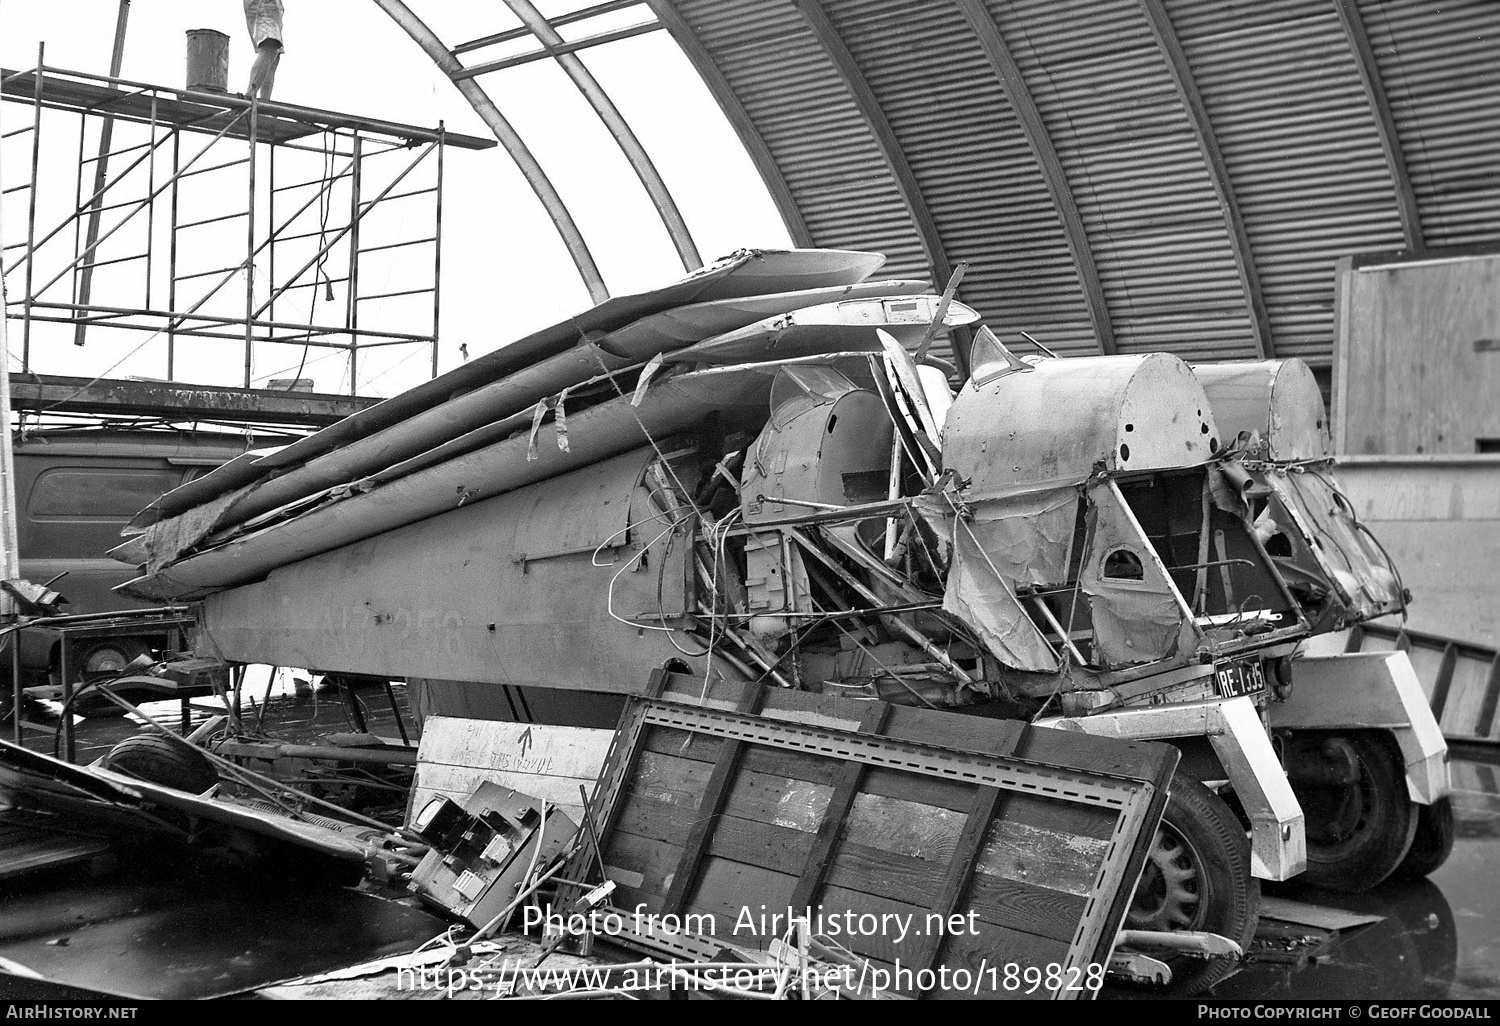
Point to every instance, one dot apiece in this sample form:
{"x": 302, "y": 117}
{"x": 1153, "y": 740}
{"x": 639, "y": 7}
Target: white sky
{"x": 504, "y": 270}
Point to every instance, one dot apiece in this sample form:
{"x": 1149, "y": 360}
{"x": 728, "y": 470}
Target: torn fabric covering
{"x": 986, "y": 601}
{"x": 1309, "y": 505}
{"x": 167, "y": 539}
{"x": 1029, "y": 537}
{"x": 1135, "y": 620}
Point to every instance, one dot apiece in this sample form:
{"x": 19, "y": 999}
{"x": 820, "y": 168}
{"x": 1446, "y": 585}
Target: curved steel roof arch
{"x": 609, "y": 114}
{"x": 1192, "y": 102}
{"x": 739, "y": 119}
{"x": 530, "y": 169}
{"x": 1021, "y": 101}
{"x": 1390, "y": 142}
{"x": 869, "y": 108}
{"x": 1175, "y": 175}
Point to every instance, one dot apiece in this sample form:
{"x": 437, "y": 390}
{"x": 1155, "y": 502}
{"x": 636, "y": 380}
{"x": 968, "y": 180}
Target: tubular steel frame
{"x": 241, "y": 133}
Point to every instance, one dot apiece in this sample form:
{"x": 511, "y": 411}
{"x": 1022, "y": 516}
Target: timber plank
{"x": 682, "y": 744}
{"x": 644, "y": 863}
{"x": 721, "y": 781}
{"x": 959, "y": 869}
{"x": 845, "y": 786}
{"x": 991, "y": 950}
{"x": 1044, "y": 858}
{"x": 907, "y": 847}
{"x": 880, "y": 923}
{"x": 778, "y": 800}
{"x": 1022, "y": 906}
{"x": 728, "y": 890}
{"x": 1094, "y": 821}
{"x": 766, "y": 845}
{"x": 815, "y": 769}
{"x": 661, "y": 821}
{"x": 668, "y": 779}
{"x": 904, "y": 828}
{"x": 977, "y": 734}
{"x": 1075, "y": 750}
{"x": 924, "y": 790}
{"x": 858, "y": 867}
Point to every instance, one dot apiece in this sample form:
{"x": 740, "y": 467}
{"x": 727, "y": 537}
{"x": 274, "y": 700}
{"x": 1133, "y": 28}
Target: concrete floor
{"x": 1439, "y": 938}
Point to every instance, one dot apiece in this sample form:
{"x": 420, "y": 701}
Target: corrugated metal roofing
{"x": 1296, "y": 130}
{"x": 1145, "y": 175}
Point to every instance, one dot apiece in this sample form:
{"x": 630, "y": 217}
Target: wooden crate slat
{"x": 905, "y": 828}
{"x": 1045, "y": 858}
{"x": 798, "y": 804}
{"x": 766, "y": 845}
{"x": 1032, "y": 841}
{"x": 715, "y": 790}
{"x": 857, "y": 867}
{"x": 681, "y": 743}
{"x": 1038, "y": 910}
{"x": 645, "y": 863}
{"x": 726, "y": 889}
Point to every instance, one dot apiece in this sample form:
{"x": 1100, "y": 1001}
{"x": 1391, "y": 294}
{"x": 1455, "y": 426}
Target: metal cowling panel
{"x": 792, "y": 94}
{"x": 982, "y": 187}
{"x": 1302, "y": 147}
{"x": 1440, "y": 65}
{"x": 1136, "y": 173}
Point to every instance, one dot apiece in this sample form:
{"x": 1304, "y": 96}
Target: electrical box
{"x": 482, "y": 849}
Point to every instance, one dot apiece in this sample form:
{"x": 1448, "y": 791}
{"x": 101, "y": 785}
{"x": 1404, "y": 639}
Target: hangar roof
{"x": 1117, "y": 175}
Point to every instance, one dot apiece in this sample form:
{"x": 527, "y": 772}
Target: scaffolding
{"x": 292, "y": 202}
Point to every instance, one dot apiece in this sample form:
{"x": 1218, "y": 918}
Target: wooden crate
{"x": 955, "y": 842}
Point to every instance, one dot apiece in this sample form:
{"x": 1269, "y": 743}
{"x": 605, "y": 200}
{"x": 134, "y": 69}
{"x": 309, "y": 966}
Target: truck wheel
{"x": 1433, "y": 842}
{"x": 1360, "y": 820}
{"x": 156, "y": 760}
{"x": 1197, "y": 877}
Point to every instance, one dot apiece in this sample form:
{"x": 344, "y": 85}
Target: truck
{"x": 817, "y": 499}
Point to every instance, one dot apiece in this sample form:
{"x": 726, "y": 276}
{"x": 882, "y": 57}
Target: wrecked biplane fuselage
{"x": 749, "y": 475}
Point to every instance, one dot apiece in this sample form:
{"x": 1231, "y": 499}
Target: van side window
{"x": 77, "y": 493}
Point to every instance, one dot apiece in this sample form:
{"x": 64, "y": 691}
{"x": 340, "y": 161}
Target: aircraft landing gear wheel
{"x": 1360, "y": 819}
{"x": 157, "y": 760}
{"x": 1433, "y": 842}
{"x": 1197, "y": 877}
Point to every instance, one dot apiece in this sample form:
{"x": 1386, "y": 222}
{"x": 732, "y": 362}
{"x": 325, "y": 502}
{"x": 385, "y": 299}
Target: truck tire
{"x": 1197, "y": 877}
{"x": 1433, "y": 842}
{"x": 156, "y": 760}
{"x": 1357, "y": 833}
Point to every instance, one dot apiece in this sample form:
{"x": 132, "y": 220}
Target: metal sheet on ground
{"x": 194, "y": 938}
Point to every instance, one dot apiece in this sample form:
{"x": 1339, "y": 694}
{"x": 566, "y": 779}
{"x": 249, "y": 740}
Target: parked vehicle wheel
{"x": 106, "y": 659}
{"x": 1360, "y": 820}
{"x": 1433, "y": 842}
{"x": 156, "y": 760}
{"x": 1197, "y": 877}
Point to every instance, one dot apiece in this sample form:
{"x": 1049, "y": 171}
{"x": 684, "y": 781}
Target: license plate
{"x": 1235, "y": 679}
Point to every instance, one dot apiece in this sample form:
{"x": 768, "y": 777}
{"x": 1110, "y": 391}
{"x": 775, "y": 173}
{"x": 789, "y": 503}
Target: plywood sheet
{"x": 456, "y": 755}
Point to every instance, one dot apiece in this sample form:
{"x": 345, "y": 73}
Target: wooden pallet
{"x": 737, "y": 805}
